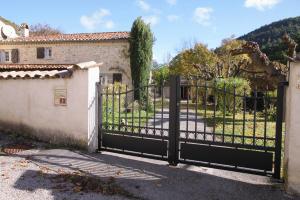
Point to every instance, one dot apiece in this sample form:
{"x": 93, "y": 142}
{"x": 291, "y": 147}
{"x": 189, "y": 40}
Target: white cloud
{"x": 143, "y": 5}
{"x": 152, "y": 20}
{"x": 202, "y": 15}
{"x": 173, "y": 18}
{"x": 109, "y": 24}
{"x": 97, "y": 19}
{"x": 172, "y": 2}
{"x": 261, "y": 4}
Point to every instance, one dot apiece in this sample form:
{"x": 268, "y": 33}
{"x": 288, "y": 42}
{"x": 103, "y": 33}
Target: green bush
{"x": 226, "y": 89}
{"x": 117, "y": 105}
{"x": 272, "y": 113}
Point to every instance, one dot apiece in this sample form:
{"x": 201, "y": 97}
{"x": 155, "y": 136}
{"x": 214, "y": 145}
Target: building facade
{"x": 110, "y": 48}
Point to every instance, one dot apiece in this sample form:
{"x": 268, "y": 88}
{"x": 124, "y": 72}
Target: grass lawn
{"x": 234, "y": 126}
{"x": 243, "y": 126}
{"x": 233, "y": 132}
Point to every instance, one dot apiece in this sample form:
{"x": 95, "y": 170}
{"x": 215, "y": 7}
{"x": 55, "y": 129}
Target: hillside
{"x": 269, "y": 37}
{"x": 7, "y": 22}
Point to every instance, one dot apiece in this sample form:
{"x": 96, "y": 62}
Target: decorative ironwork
{"x": 214, "y": 126}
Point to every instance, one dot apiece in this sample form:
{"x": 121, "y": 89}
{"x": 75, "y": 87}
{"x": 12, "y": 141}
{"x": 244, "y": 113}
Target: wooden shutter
{"x": 40, "y": 53}
{"x": 15, "y": 56}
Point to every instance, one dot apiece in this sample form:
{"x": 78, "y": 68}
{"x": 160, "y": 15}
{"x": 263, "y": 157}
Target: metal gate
{"x": 215, "y": 126}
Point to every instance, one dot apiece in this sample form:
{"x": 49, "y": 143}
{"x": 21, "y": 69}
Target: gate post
{"x": 174, "y": 121}
{"x": 292, "y": 136}
{"x": 99, "y": 114}
{"x": 278, "y": 137}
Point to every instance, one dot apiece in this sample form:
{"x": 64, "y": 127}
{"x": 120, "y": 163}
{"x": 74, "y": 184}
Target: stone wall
{"x": 113, "y": 55}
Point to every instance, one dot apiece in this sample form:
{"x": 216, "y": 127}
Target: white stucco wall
{"x": 292, "y": 136}
{"x": 27, "y": 106}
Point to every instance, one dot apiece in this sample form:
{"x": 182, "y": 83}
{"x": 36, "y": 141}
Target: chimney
{"x": 24, "y": 30}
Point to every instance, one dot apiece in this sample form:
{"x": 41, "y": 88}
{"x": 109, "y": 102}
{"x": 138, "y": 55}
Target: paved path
{"x": 189, "y": 121}
{"x": 27, "y": 175}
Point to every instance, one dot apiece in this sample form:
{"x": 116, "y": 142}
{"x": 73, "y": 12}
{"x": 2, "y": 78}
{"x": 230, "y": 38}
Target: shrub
{"x": 272, "y": 113}
{"x": 231, "y": 85}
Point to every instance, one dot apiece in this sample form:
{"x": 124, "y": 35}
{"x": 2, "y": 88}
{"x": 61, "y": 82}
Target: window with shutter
{"x": 40, "y": 52}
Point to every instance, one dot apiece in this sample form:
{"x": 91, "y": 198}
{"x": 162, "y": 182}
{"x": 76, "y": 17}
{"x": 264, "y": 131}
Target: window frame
{"x": 3, "y": 56}
{"x": 44, "y": 53}
{"x": 48, "y": 53}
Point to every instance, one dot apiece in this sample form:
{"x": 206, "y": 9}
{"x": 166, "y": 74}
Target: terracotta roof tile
{"x": 72, "y": 37}
{"x": 18, "y": 67}
{"x": 35, "y": 74}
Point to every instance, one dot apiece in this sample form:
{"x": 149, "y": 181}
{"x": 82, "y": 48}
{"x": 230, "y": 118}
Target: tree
{"x": 161, "y": 74}
{"x": 231, "y": 66}
{"x": 43, "y": 29}
{"x": 141, "y": 43}
{"x": 199, "y": 61}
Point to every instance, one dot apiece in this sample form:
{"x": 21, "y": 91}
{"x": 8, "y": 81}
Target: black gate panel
{"x": 212, "y": 126}
{"x": 227, "y": 156}
{"x": 135, "y": 144}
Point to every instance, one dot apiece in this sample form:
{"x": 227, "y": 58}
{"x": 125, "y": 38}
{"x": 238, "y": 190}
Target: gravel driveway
{"x": 38, "y": 174}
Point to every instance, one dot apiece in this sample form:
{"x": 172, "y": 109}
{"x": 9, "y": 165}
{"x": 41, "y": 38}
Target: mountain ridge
{"x": 269, "y": 37}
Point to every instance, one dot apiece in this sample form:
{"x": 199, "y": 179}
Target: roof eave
{"x": 64, "y": 41}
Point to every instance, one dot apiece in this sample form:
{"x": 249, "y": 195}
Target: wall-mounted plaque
{"x": 60, "y": 97}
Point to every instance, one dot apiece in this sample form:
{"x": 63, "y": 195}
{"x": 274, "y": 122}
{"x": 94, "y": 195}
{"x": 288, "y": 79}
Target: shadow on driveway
{"x": 152, "y": 179}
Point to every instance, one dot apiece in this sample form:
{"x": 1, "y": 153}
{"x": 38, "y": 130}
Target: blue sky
{"x": 175, "y": 23}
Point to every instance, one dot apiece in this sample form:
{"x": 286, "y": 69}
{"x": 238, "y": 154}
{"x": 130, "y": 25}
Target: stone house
{"x": 48, "y": 82}
{"x": 109, "y": 48}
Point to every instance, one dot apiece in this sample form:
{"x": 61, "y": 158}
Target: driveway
{"x": 48, "y": 173}
{"x": 189, "y": 121}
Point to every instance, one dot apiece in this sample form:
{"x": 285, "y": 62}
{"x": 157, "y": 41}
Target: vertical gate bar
{"x": 224, "y": 112}
{"x": 205, "y": 108}
{"x": 126, "y": 107}
{"x": 187, "y": 114}
{"x": 100, "y": 114}
{"x": 254, "y": 116}
{"x": 244, "y": 114}
{"x": 279, "y": 120}
{"x": 174, "y": 110}
{"x": 140, "y": 110}
{"x": 132, "y": 111}
{"x": 119, "y": 108}
{"x": 113, "y": 108}
{"x": 215, "y": 109}
{"x": 139, "y": 116}
{"x": 233, "y": 117}
{"x": 266, "y": 116}
{"x": 154, "y": 110}
{"x": 162, "y": 110}
{"x": 196, "y": 112}
{"x": 106, "y": 108}
{"x": 147, "y": 107}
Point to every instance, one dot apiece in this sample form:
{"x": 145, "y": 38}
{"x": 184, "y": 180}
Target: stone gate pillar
{"x": 292, "y": 137}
